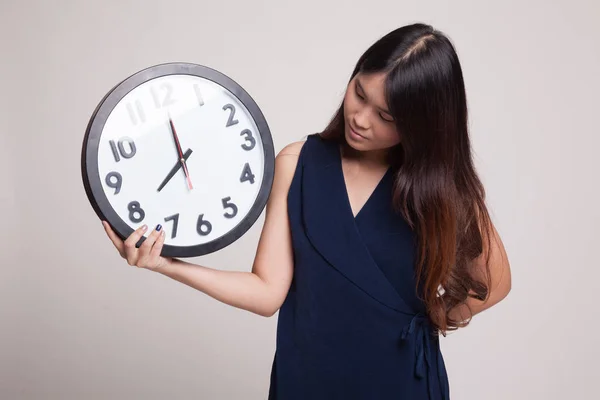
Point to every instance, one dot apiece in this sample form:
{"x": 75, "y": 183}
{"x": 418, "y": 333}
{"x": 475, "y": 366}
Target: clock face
{"x": 182, "y": 146}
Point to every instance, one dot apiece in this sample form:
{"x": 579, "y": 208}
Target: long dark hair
{"x": 436, "y": 188}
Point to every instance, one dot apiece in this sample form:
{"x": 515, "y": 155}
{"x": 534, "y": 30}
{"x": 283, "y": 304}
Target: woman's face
{"x": 369, "y": 124}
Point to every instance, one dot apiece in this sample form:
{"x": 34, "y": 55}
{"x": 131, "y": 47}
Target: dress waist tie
{"x": 420, "y": 326}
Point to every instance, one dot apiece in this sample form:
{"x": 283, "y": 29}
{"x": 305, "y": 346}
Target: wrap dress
{"x": 352, "y": 326}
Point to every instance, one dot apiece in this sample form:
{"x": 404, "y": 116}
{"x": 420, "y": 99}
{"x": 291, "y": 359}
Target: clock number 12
{"x": 168, "y": 100}
{"x": 135, "y": 109}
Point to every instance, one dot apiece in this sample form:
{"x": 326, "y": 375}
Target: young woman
{"x": 376, "y": 239}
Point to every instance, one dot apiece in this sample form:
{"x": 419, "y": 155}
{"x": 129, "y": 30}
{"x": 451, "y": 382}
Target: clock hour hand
{"x": 175, "y": 169}
{"x": 180, "y": 153}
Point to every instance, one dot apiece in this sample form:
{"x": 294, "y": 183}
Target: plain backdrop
{"x": 76, "y": 322}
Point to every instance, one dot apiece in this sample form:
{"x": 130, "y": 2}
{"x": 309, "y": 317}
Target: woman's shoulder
{"x": 286, "y": 164}
{"x": 296, "y": 148}
{"x": 292, "y": 149}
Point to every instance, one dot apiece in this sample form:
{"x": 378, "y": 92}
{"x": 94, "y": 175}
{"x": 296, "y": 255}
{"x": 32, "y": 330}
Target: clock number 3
{"x": 249, "y": 138}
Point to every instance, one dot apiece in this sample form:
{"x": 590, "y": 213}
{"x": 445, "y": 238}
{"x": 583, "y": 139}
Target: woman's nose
{"x": 361, "y": 120}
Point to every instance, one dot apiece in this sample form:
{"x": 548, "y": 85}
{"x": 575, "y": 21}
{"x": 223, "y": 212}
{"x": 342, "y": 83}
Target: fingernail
{"x": 144, "y": 227}
{"x": 158, "y": 227}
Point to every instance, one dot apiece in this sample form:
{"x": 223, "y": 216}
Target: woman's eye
{"x": 380, "y": 115}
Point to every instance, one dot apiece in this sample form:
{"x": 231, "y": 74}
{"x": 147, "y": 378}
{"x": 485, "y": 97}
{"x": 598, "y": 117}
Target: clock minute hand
{"x": 174, "y": 170}
{"x": 180, "y": 153}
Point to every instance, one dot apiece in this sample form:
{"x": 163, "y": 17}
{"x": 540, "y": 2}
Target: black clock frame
{"x": 89, "y": 154}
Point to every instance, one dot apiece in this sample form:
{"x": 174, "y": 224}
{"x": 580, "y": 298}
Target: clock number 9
{"x": 134, "y": 208}
{"x": 202, "y": 223}
{"x": 115, "y": 185}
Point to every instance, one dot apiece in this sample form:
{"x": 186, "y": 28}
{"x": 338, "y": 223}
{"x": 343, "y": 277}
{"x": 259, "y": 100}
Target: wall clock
{"x": 182, "y": 145}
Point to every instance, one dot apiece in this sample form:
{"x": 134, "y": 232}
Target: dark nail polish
{"x": 158, "y": 227}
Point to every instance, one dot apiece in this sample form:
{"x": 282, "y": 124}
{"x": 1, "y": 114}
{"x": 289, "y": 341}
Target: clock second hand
{"x": 180, "y": 153}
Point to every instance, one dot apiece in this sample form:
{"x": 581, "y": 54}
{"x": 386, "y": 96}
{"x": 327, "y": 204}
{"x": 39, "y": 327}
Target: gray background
{"x": 76, "y": 322}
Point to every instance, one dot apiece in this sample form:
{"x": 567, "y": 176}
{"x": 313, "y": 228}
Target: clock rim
{"x": 89, "y": 154}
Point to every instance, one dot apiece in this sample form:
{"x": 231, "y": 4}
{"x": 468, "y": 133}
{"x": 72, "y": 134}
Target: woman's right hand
{"x": 148, "y": 254}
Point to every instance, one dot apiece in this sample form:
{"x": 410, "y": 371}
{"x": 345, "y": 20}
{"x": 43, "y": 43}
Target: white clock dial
{"x": 184, "y": 146}
{"x": 137, "y": 151}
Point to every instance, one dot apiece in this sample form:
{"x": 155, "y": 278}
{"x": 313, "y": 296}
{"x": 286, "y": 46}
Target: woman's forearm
{"x": 244, "y": 290}
{"x": 474, "y": 306}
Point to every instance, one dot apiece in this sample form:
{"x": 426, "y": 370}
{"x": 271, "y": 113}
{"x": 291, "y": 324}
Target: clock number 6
{"x": 202, "y": 223}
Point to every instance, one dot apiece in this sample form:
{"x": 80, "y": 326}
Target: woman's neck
{"x": 369, "y": 159}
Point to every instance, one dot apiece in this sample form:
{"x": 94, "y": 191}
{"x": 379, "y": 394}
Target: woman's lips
{"x": 354, "y": 134}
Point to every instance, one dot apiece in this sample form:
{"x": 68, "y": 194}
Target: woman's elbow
{"x": 504, "y": 288}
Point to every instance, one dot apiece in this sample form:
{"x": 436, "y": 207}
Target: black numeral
{"x": 120, "y": 151}
{"x": 249, "y": 138}
{"x": 227, "y": 204}
{"x": 230, "y": 121}
{"x": 203, "y": 224}
{"x": 134, "y": 208}
{"x": 247, "y": 174}
{"x": 175, "y": 219}
{"x": 115, "y": 185}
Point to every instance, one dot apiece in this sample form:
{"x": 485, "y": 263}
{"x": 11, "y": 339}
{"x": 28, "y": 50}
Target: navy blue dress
{"x": 351, "y": 326}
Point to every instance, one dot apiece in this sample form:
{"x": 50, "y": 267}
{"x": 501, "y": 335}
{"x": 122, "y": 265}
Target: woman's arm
{"x": 263, "y": 290}
{"x": 499, "y": 273}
